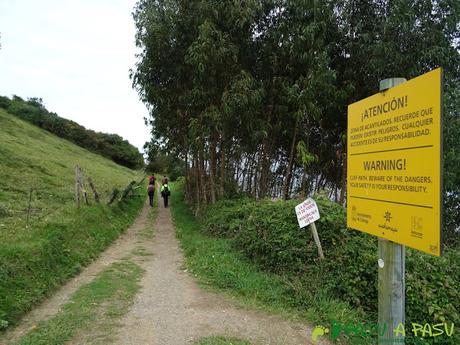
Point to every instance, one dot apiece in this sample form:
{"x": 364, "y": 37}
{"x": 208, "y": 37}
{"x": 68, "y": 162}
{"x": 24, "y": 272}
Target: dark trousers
{"x": 151, "y": 199}
{"x": 165, "y": 200}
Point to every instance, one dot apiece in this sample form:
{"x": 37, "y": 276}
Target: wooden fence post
{"x": 77, "y": 186}
{"x": 93, "y": 188}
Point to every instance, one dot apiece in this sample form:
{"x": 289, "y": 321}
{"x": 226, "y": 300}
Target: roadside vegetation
{"x": 92, "y": 313}
{"x": 255, "y": 250}
{"x": 45, "y": 239}
{"x": 218, "y": 265}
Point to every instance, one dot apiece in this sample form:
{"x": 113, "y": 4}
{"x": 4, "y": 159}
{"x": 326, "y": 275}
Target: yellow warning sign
{"x": 394, "y": 164}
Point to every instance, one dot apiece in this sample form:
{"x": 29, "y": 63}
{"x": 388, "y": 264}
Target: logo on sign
{"x": 387, "y": 217}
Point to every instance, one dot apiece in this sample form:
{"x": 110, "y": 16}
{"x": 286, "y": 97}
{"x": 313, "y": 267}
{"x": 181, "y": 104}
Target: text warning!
{"x": 394, "y": 164}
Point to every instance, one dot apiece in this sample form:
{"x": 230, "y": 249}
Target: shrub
{"x": 267, "y": 233}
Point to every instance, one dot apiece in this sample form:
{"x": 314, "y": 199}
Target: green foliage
{"x": 451, "y": 230}
{"x": 108, "y": 145}
{"x": 279, "y": 76}
{"x": 217, "y": 263}
{"x": 267, "y": 233}
{"x": 39, "y": 255}
{"x": 163, "y": 163}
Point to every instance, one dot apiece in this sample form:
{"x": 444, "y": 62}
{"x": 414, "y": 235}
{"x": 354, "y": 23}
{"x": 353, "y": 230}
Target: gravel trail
{"x": 173, "y": 310}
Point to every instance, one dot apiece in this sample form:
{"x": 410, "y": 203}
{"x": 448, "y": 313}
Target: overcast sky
{"x": 76, "y": 56}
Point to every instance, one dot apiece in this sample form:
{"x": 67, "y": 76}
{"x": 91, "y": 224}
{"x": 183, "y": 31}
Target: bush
{"x": 268, "y": 234}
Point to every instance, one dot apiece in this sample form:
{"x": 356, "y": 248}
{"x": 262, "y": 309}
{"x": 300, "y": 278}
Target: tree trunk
{"x": 344, "y": 179}
{"x": 291, "y": 186}
{"x": 212, "y": 168}
{"x": 197, "y": 185}
{"x": 264, "y": 169}
{"x": 250, "y": 176}
{"x": 258, "y": 176}
{"x": 223, "y": 162}
{"x": 287, "y": 181}
{"x": 303, "y": 185}
{"x": 202, "y": 177}
{"x": 187, "y": 178}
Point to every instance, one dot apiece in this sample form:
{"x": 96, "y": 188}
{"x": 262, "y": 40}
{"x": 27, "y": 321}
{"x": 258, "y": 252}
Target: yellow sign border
{"x": 402, "y": 237}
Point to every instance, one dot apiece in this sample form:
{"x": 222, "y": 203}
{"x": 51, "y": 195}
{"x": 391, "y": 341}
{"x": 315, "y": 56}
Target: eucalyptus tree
{"x": 256, "y": 91}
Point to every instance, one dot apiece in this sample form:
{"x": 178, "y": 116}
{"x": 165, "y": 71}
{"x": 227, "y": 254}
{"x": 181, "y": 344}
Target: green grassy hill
{"x": 38, "y": 255}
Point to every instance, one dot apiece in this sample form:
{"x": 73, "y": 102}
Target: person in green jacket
{"x": 165, "y": 193}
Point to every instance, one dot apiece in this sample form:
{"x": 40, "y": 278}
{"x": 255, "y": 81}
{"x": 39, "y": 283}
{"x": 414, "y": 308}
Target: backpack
{"x": 151, "y": 188}
{"x": 166, "y": 190}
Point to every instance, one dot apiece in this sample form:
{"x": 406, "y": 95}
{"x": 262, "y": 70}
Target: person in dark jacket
{"x": 151, "y": 191}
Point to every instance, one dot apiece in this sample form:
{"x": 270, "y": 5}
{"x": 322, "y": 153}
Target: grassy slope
{"x": 59, "y": 239}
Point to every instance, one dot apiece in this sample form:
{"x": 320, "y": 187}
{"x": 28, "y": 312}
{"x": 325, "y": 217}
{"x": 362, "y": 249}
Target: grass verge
{"x": 44, "y": 239}
{"x": 31, "y": 270}
{"x": 217, "y": 265}
{"x": 94, "y": 308}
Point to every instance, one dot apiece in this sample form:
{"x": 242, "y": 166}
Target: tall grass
{"x": 38, "y": 255}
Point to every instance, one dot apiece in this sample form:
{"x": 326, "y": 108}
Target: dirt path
{"x": 122, "y": 247}
{"x": 173, "y": 310}
{"x": 170, "y": 309}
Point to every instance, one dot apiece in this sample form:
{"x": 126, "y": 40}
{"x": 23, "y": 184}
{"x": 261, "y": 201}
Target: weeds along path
{"x": 172, "y": 310}
{"x": 131, "y": 240}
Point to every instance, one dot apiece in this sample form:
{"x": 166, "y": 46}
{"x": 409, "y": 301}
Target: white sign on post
{"x": 307, "y": 212}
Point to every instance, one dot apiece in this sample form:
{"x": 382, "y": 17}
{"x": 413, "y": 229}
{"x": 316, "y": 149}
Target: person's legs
{"x": 166, "y": 201}
{"x": 151, "y": 199}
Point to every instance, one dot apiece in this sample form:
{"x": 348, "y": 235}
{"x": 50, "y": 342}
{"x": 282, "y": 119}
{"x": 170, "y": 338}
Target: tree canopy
{"x": 253, "y": 94}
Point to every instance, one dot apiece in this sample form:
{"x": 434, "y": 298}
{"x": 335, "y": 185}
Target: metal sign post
{"x": 392, "y": 266}
{"x": 392, "y": 192}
